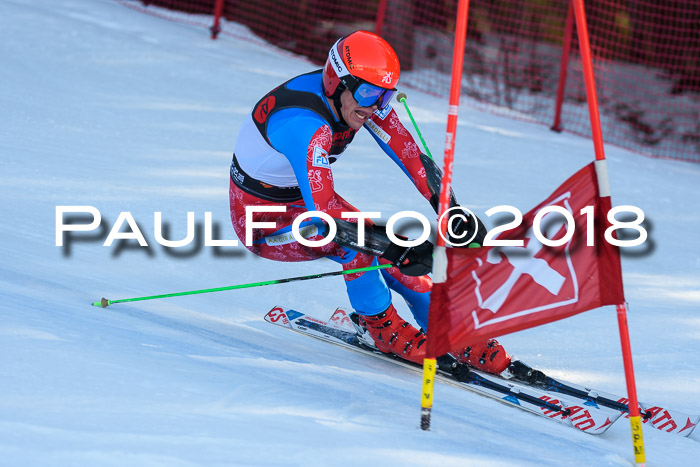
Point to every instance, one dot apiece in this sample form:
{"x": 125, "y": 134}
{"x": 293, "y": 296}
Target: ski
{"x": 573, "y": 412}
{"x": 661, "y": 418}
{"x": 658, "y": 417}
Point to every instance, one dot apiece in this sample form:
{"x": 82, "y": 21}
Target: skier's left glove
{"x": 461, "y": 227}
{"x": 413, "y": 260}
{"x": 463, "y": 223}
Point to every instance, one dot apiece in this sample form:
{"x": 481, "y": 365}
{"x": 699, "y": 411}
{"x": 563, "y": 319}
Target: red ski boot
{"x": 392, "y": 334}
{"x": 488, "y": 356}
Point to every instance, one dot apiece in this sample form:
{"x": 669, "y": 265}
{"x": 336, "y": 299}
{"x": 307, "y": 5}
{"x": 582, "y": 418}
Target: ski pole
{"x": 104, "y": 303}
{"x": 401, "y": 97}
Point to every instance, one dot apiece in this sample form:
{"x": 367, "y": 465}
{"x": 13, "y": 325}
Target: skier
{"x": 283, "y": 158}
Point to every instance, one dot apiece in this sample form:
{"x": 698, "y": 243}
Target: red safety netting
{"x": 646, "y": 56}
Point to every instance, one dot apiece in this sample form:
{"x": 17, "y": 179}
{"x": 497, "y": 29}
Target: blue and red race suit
{"x": 283, "y": 157}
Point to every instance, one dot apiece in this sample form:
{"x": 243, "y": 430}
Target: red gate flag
{"x": 491, "y": 291}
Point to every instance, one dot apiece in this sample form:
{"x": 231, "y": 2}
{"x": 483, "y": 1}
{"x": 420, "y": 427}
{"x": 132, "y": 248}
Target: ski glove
{"x": 461, "y": 226}
{"x": 412, "y": 261}
{"x": 462, "y": 229}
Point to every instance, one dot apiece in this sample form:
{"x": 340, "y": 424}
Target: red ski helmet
{"x": 365, "y": 64}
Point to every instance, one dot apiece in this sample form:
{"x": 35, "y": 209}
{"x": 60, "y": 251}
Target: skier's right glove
{"x": 412, "y": 261}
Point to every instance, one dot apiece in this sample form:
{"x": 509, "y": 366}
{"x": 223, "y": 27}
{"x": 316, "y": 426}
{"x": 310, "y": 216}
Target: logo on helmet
{"x": 348, "y": 58}
{"x": 388, "y": 77}
{"x": 335, "y": 61}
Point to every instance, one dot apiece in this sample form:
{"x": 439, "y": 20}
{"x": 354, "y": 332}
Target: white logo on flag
{"x": 524, "y": 263}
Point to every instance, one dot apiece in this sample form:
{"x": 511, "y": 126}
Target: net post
{"x": 381, "y": 12}
{"x": 563, "y": 68}
{"x": 216, "y": 27}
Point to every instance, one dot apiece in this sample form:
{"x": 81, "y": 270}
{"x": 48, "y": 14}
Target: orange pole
{"x": 455, "y": 88}
{"x": 635, "y": 418}
{"x": 440, "y": 256}
{"x": 587, "y": 62}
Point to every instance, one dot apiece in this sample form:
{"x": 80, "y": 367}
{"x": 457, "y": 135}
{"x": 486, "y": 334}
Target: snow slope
{"x": 106, "y": 107}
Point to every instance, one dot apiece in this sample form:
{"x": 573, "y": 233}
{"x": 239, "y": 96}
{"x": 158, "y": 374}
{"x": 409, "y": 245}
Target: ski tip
{"x": 104, "y": 303}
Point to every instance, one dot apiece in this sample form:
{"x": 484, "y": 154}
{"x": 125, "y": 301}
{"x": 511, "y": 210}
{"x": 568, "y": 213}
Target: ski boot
{"x": 488, "y": 356}
{"x": 392, "y": 334}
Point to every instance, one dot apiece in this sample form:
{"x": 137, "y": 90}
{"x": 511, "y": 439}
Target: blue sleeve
{"x": 290, "y": 131}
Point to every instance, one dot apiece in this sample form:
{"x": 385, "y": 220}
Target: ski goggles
{"x": 366, "y": 94}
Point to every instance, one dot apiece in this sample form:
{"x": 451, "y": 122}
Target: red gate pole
{"x": 381, "y": 11}
{"x": 455, "y": 88}
{"x": 635, "y": 419}
{"x": 564, "y": 66}
{"x": 218, "y": 9}
{"x": 587, "y": 63}
{"x": 604, "y": 188}
{"x": 439, "y": 254}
